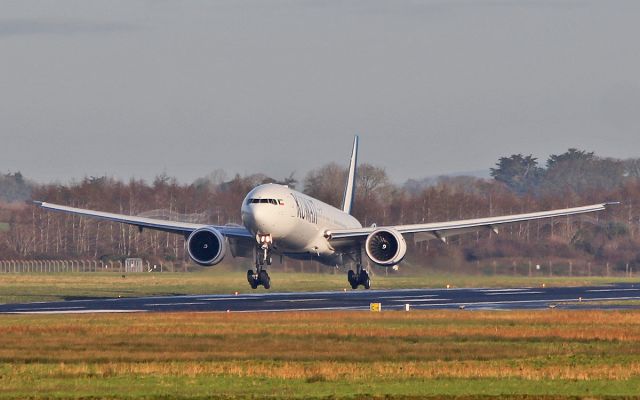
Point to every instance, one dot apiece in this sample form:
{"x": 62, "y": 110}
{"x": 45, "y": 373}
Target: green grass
{"x": 62, "y": 286}
{"x": 4, "y": 227}
{"x": 170, "y": 387}
{"x": 391, "y": 355}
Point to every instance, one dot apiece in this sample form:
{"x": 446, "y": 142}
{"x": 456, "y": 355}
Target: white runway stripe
{"x": 418, "y": 300}
{"x": 543, "y": 301}
{"x": 307, "y": 309}
{"x": 75, "y": 311}
{"x": 293, "y": 300}
{"x": 49, "y": 308}
{"x": 510, "y": 293}
{"x": 408, "y": 296}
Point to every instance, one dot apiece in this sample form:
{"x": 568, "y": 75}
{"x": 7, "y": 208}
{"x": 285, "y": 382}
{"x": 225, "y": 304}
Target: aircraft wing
{"x": 184, "y": 228}
{"x": 441, "y": 230}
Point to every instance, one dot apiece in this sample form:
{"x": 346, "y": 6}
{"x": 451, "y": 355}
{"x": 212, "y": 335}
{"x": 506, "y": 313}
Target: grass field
{"x": 50, "y": 287}
{"x": 543, "y": 354}
{"x": 4, "y": 226}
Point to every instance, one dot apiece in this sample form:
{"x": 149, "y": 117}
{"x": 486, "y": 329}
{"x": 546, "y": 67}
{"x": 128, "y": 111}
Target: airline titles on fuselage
{"x": 306, "y": 209}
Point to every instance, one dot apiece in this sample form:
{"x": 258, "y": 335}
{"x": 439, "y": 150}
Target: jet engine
{"x": 206, "y": 246}
{"x": 386, "y": 247}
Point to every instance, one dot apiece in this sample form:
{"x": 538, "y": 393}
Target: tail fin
{"x": 349, "y": 189}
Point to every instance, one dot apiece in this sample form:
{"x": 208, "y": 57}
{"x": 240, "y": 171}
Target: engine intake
{"x": 206, "y": 246}
{"x": 386, "y": 247}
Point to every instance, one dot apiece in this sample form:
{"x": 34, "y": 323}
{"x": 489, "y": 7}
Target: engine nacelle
{"x": 386, "y": 247}
{"x": 206, "y": 246}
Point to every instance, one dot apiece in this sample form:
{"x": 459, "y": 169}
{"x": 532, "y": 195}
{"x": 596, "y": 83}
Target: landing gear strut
{"x": 360, "y": 276}
{"x": 263, "y": 257}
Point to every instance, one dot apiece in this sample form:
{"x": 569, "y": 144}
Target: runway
{"x": 469, "y": 299}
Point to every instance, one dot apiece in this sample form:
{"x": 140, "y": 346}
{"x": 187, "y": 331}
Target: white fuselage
{"x": 296, "y": 222}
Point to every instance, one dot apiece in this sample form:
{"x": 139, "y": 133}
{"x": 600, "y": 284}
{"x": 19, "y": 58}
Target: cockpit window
{"x": 263, "y": 201}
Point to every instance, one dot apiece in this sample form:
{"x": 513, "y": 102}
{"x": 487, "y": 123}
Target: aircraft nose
{"x": 263, "y": 219}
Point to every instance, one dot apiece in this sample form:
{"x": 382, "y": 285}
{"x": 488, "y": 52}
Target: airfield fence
{"x": 57, "y": 266}
{"x": 514, "y": 267}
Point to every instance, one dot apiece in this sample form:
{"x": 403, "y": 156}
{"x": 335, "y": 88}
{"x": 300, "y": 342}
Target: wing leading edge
{"x": 184, "y": 228}
{"x": 441, "y": 230}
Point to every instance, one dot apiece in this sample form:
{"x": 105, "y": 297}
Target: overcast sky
{"x": 136, "y": 88}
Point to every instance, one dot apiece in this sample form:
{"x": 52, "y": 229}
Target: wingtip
{"x": 612, "y": 203}
{"x": 37, "y": 203}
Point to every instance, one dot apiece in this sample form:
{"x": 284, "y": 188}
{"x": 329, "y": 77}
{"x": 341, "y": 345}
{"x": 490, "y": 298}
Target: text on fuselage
{"x": 306, "y": 209}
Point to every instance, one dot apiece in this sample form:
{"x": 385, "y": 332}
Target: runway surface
{"x": 262, "y": 301}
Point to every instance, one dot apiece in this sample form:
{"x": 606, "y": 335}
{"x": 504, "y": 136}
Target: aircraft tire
{"x": 353, "y": 280}
{"x": 364, "y": 279}
{"x": 253, "y": 282}
{"x": 264, "y": 279}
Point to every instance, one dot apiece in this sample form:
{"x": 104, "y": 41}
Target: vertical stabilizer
{"x": 349, "y": 189}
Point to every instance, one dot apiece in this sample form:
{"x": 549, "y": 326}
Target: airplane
{"x": 278, "y": 220}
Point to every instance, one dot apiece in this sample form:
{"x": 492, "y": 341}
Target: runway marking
{"x": 510, "y": 293}
{"x": 293, "y": 300}
{"x": 87, "y": 311}
{"x": 305, "y": 309}
{"x": 48, "y": 308}
{"x": 413, "y": 297}
{"x": 504, "y": 290}
{"x": 544, "y": 301}
{"x": 612, "y": 290}
{"x": 174, "y": 304}
{"x": 231, "y": 298}
{"x": 419, "y": 300}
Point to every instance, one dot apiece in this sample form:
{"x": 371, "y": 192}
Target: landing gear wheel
{"x": 364, "y": 279}
{"x": 264, "y": 279}
{"x": 353, "y": 280}
{"x": 252, "y": 279}
{"x": 254, "y": 283}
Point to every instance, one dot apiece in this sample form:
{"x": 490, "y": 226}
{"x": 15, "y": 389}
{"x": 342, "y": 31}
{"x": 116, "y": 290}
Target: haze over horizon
{"x": 137, "y": 88}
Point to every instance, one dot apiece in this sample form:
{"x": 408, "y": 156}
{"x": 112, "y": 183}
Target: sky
{"x": 137, "y": 88}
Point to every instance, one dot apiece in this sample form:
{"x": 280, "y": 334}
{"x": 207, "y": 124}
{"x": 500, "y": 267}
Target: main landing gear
{"x": 263, "y": 257}
{"x": 260, "y": 277}
{"x": 359, "y": 277}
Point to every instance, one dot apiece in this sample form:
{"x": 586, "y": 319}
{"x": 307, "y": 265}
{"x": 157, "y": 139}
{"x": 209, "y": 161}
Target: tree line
{"x": 518, "y": 184}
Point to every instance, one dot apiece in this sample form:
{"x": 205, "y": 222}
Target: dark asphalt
{"x": 469, "y": 299}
